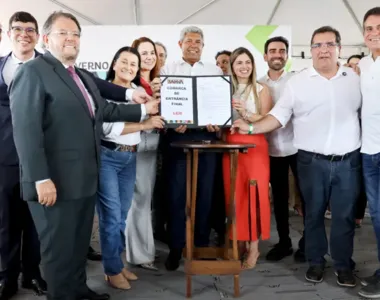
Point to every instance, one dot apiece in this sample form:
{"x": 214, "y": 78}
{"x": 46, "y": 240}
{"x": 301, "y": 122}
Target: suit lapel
{"x": 66, "y": 78}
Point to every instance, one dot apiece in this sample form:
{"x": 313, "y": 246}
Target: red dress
{"x": 252, "y": 206}
{"x": 252, "y": 201}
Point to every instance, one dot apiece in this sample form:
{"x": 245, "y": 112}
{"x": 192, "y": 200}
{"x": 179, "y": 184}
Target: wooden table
{"x": 195, "y": 263}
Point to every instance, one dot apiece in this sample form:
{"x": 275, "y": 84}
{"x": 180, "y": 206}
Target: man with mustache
{"x": 283, "y": 155}
{"x": 323, "y": 103}
{"x": 370, "y": 88}
{"x": 191, "y": 43}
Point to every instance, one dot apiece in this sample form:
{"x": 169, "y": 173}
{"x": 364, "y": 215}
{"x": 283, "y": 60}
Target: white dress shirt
{"x": 185, "y": 69}
{"x": 11, "y": 66}
{"x": 112, "y": 131}
{"x": 325, "y": 112}
{"x": 370, "y": 87}
{"x": 281, "y": 140}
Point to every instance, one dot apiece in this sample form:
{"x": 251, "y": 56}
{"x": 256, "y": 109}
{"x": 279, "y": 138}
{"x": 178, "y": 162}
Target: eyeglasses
{"x": 27, "y": 30}
{"x": 65, "y": 33}
{"x": 329, "y": 45}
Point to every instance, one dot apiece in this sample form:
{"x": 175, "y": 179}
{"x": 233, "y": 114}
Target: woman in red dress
{"x": 251, "y": 101}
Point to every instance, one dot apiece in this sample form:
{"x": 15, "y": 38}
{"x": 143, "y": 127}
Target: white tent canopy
{"x": 302, "y": 15}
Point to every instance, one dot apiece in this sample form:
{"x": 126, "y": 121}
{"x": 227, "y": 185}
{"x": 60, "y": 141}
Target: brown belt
{"x": 117, "y": 147}
{"x": 127, "y": 148}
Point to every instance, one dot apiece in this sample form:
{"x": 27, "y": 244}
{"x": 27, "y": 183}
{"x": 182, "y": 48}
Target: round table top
{"x": 210, "y": 145}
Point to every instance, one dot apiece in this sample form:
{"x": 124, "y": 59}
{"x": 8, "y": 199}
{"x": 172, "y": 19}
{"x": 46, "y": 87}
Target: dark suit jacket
{"x": 54, "y": 133}
{"x": 8, "y": 153}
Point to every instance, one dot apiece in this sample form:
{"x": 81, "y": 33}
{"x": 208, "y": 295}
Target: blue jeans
{"x": 336, "y": 181}
{"x": 117, "y": 178}
{"x": 371, "y": 172}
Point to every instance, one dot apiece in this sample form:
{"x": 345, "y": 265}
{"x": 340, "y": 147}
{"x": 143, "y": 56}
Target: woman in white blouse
{"x": 118, "y": 172}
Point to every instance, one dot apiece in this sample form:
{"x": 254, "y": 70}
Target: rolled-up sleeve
{"x": 113, "y": 130}
{"x": 129, "y": 94}
{"x": 283, "y": 109}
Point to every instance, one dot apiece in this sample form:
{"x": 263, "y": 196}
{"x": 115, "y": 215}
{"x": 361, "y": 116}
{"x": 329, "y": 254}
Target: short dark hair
{"x": 358, "y": 56}
{"x": 56, "y": 15}
{"x": 223, "y": 52}
{"x": 280, "y": 39}
{"x": 372, "y": 12}
{"x": 111, "y": 73}
{"x": 325, "y": 29}
{"x": 24, "y": 17}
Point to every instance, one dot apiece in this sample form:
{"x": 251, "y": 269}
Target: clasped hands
{"x": 210, "y": 128}
{"x": 151, "y": 103}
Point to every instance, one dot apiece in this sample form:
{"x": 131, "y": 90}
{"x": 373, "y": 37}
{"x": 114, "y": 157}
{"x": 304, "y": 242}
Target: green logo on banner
{"x": 258, "y": 35}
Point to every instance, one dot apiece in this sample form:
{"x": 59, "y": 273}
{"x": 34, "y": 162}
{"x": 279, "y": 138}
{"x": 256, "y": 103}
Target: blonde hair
{"x": 252, "y": 80}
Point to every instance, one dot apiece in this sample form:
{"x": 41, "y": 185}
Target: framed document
{"x": 196, "y": 101}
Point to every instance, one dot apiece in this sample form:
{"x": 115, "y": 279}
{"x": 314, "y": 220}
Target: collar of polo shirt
{"x": 184, "y": 62}
{"x": 342, "y": 71}
{"x": 267, "y": 78}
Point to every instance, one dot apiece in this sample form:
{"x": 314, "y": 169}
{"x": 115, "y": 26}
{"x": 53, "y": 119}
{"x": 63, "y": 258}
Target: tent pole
{"x": 274, "y": 11}
{"x": 353, "y": 15}
{"x": 75, "y": 12}
{"x": 197, "y": 11}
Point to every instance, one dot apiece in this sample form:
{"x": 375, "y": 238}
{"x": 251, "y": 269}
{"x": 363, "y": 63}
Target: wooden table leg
{"x": 233, "y": 169}
{"x": 188, "y": 219}
{"x": 190, "y": 208}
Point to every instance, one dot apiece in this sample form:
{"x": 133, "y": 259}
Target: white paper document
{"x": 177, "y": 100}
{"x": 213, "y": 101}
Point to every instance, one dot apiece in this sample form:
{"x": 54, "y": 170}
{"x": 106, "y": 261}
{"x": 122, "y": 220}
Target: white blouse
{"x": 112, "y": 131}
{"x": 250, "y": 104}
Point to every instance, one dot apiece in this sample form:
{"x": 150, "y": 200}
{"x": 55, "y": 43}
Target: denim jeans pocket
{"x": 355, "y": 161}
{"x": 304, "y": 159}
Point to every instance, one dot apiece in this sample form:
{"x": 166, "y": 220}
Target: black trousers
{"x": 279, "y": 179}
{"x": 362, "y": 202}
{"x": 218, "y": 209}
{"x": 177, "y": 191}
{"x": 65, "y": 232}
{"x": 19, "y": 244}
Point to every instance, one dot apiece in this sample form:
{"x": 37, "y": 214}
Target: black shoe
{"x": 370, "y": 280}
{"x": 39, "y": 286}
{"x": 93, "y": 255}
{"x": 279, "y": 252}
{"x": 315, "y": 274}
{"x": 7, "y": 291}
{"x": 346, "y": 278}
{"x": 172, "y": 262}
{"x": 299, "y": 256}
{"x": 371, "y": 291}
{"x": 91, "y": 295}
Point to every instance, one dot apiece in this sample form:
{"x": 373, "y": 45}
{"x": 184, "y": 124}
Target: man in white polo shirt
{"x": 370, "y": 87}
{"x": 283, "y": 155}
{"x": 323, "y": 102}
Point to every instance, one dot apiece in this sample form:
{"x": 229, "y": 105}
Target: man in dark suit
{"x": 19, "y": 244}
{"x": 57, "y": 112}
{"x": 17, "y": 231}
